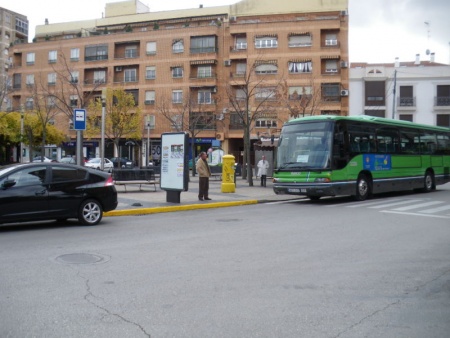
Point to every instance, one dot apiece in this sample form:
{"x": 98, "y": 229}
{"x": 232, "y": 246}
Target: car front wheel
{"x": 90, "y": 212}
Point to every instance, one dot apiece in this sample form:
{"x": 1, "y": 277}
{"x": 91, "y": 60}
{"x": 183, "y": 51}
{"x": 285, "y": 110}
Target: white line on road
{"x": 417, "y": 206}
{"x": 414, "y": 214}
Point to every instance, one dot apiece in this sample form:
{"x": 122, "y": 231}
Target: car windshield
{"x": 94, "y": 160}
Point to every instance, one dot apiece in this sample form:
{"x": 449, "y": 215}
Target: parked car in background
{"x": 68, "y": 160}
{"x": 42, "y": 159}
{"x": 47, "y": 190}
{"x": 96, "y": 162}
{"x": 121, "y": 162}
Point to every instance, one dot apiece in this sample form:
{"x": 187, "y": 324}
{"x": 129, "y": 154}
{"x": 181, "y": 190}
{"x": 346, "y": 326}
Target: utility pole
{"x": 394, "y": 98}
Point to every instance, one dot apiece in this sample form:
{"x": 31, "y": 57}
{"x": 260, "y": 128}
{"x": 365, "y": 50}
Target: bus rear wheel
{"x": 428, "y": 182}
{"x": 362, "y": 188}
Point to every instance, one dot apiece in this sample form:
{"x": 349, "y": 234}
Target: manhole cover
{"x": 82, "y": 258}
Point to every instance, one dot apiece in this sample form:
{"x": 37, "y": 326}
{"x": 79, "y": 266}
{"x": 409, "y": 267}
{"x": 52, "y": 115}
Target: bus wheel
{"x": 428, "y": 182}
{"x": 362, "y": 188}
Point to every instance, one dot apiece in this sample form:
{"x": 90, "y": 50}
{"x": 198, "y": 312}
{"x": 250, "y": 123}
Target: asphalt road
{"x": 333, "y": 268}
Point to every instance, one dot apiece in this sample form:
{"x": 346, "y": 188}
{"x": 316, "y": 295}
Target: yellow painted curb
{"x": 155, "y": 210}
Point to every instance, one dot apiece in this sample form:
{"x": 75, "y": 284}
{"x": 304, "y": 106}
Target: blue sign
{"x": 377, "y": 162}
{"x": 79, "y": 118}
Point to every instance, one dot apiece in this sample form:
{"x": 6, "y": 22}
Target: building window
{"x": 405, "y": 117}
{"x": 150, "y": 122}
{"x": 135, "y": 94}
{"x": 331, "y": 39}
{"x": 406, "y": 96}
{"x": 443, "y": 95}
{"x": 17, "y": 81}
{"x": 150, "y": 72}
{"x": 266, "y": 123}
{"x": 94, "y": 53}
{"x": 204, "y": 97}
{"x": 266, "y": 69}
{"x": 73, "y": 100}
{"x": 300, "y": 92}
{"x": 99, "y": 76}
{"x": 375, "y": 91}
{"x": 151, "y": 48}
{"x": 51, "y": 79}
{"x": 177, "y": 96}
{"x": 29, "y": 103}
{"x": 52, "y": 56}
{"x": 300, "y": 67}
{"x": 300, "y": 40}
{"x": 31, "y": 58}
{"x": 443, "y": 120}
{"x": 51, "y": 101}
{"x": 74, "y": 76}
{"x": 265, "y": 94}
{"x": 331, "y": 66}
{"x": 149, "y": 97}
{"x": 240, "y": 43}
{"x": 178, "y": 46}
{"x": 177, "y": 72}
{"x": 330, "y": 92}
{"x": 375, "y": 112}
{"x": 130, "y": 75}
{"x": 266, "y": 42}
{"x": 75, "y": 54}
{"x": 241, "y": 69}
{"x": 240, "y": 94}
{"x": 131, "y": 52}
{"x": 203, "y": 44}
{"x": 204, "y": 72}
{"x": 30, "y": 80}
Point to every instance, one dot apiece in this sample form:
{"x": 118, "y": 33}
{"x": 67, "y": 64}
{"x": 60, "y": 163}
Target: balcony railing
{"x": 406, "y": 102}
{"x": 442, "y": 101}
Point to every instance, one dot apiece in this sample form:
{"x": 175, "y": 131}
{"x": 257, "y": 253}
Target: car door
{"x": 66, "y": 190}
{"x": 24, "y": 195}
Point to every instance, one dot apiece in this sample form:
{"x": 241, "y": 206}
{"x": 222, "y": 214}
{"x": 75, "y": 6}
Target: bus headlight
{"x": 322, "y": 180}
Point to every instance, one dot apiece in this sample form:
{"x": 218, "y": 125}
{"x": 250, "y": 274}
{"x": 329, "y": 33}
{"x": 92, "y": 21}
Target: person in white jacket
{"x": 263, "y": 166}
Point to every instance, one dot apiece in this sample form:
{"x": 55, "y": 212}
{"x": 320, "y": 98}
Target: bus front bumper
{"x": 315, "y": 189}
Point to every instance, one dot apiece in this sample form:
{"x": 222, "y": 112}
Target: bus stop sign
{"x": 79, "y": 119}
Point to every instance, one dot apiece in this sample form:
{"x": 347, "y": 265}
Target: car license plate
{"x": 293, "y": 190}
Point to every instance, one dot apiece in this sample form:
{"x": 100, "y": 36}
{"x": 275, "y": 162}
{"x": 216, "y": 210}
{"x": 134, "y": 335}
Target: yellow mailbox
{"x": 228, "y": 184}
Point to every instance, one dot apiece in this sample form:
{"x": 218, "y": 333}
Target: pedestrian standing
{"x": 204, "y": 173}
{"x": 263, "y": 166}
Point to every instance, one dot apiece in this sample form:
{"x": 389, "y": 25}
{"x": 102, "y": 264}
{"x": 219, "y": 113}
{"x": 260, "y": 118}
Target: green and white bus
{"x": 359, "y": 156}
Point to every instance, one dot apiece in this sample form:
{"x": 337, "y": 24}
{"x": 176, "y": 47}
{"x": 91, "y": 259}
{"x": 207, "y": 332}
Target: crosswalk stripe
{"x": 387, "y": 205}
{"x": 439, "y": 209}
{"x": 417, "y": 206}
{"x": 367, "y": 204}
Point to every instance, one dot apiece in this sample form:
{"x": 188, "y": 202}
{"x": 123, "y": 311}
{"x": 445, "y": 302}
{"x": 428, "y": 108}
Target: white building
{"x": 421, "y": 95}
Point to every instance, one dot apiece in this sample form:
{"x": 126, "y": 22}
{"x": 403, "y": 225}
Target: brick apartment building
{"x": 288, "y": 50}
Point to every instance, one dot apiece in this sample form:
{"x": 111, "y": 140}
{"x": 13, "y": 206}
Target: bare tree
{"x": 301, "y": 100}
{"x": 188, "y": 115}
{"x": 251, "y": 97}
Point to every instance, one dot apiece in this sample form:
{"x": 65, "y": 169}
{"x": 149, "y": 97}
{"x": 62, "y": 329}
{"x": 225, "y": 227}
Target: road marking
{"x": 414, "y": 214}
{"x": 438, "y": 209}
{"x": 387, "y": 205}
{"x": 418, "y": 206}
{"x": 364, "y": 204}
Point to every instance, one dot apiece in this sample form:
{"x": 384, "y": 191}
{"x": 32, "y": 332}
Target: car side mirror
{"x": 8, "y": 184}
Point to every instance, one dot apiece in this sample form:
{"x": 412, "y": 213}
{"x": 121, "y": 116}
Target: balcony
{"x": 442, "y": 101}
{"x": 405, "y": 102}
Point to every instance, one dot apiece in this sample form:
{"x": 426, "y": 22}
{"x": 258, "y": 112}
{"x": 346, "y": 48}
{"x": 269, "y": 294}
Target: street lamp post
{"x": 21, "y": 132}
{"x": 102, "y": 142}
{"x": 148, "y": 141}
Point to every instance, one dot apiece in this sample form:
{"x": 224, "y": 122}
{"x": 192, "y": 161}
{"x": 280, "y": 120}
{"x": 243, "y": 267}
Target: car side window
{"x": 62, "y": 174}
{"x": 28, "y": 176}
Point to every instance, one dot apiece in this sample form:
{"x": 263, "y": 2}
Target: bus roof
{"x": 369, "y": 119}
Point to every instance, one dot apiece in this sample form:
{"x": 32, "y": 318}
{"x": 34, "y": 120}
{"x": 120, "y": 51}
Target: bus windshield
{"x": 305, "y": 146}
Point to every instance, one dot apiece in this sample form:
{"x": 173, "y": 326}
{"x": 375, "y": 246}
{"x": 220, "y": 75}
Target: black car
{"x": 46, "y": 191}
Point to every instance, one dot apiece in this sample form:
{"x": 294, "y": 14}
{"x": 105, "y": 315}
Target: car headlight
{"x": 322, "y": 180}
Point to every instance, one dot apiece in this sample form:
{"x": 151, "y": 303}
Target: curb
{"x": 155, "y": 210}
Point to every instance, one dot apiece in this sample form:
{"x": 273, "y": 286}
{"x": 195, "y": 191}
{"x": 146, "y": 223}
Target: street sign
{"x": 79, "y": 119}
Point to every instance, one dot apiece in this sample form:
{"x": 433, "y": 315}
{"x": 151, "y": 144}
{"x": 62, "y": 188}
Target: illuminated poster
{"x": 174, "y": 168}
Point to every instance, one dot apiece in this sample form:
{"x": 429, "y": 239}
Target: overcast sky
{"x": 380, "y": 30}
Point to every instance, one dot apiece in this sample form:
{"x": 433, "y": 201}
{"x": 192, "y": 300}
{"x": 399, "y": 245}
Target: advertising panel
{"x": 174, "y": 161}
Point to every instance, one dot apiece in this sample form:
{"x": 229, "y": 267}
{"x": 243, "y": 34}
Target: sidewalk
{"x": 147, "y": 201}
